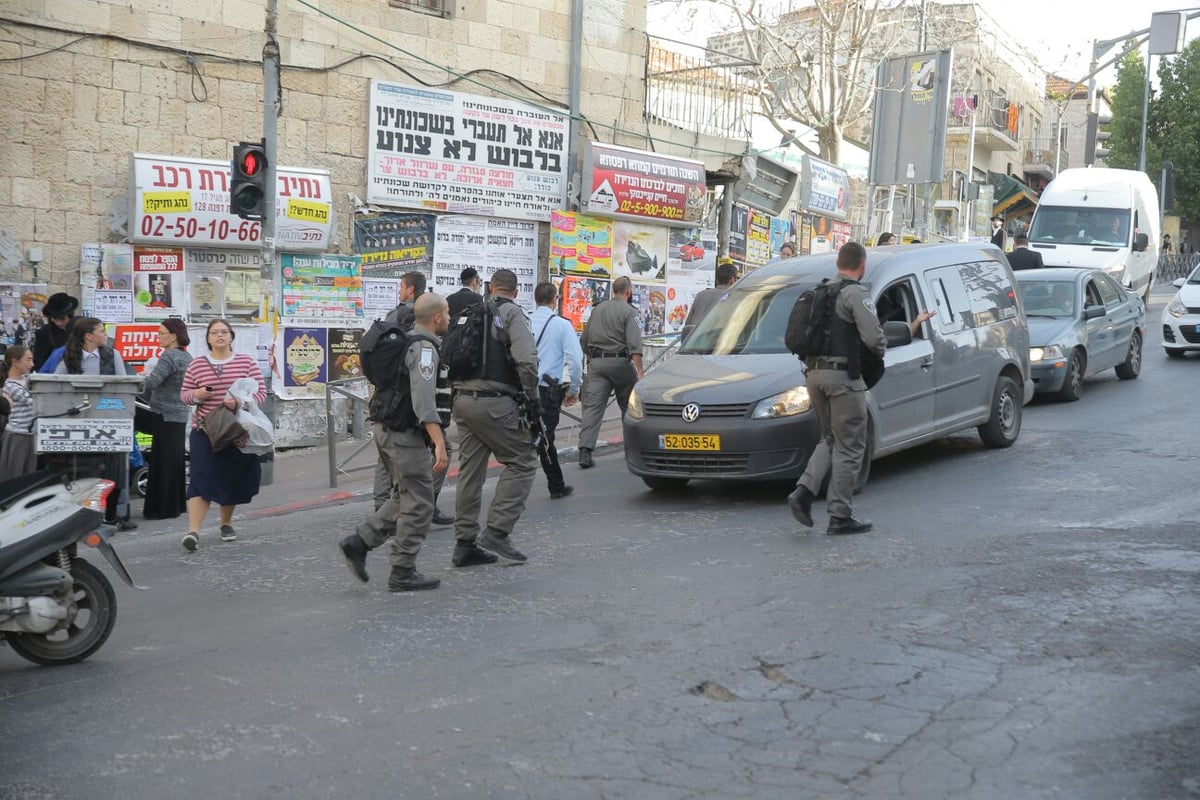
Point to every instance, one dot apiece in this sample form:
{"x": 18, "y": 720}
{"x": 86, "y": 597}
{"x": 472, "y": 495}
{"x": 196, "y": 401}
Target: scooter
{"x": 55, "y": 607}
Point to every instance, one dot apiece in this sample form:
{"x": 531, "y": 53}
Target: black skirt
{"x": 166, "y": 491}
{"x": 227, "y": 478}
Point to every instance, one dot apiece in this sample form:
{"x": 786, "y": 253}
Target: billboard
{"x": 438, "y": 150}
{"x": 645, "y": 187}
{"x": 912, "y": 98}
{"x": 824, "y": 189}
{"x": 185, "y": 201}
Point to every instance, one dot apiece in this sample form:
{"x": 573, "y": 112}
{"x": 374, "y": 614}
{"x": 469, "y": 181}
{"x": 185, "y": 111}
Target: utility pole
{"x": 574, "y": 187}
{"x": 272, "y": 105}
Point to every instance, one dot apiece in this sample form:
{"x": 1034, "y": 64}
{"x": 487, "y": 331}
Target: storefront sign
{"x": 439, "y": 150}
{"x": 185, "y": 201}
{"x": 620, "y": 182}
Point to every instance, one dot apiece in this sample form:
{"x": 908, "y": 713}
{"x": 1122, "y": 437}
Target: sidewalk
{"x": 302, "y": 475}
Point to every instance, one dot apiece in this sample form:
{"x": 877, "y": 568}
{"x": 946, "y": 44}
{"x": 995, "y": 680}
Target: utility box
{"x": 83, "y": 413}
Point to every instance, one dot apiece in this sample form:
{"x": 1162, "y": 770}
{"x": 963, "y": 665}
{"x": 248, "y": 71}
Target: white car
{"x": 1181, "y": 317}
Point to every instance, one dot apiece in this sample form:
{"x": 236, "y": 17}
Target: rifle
{"x": 531, "y": 412}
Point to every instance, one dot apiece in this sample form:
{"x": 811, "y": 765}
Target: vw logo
{"x": 691, "y": 412}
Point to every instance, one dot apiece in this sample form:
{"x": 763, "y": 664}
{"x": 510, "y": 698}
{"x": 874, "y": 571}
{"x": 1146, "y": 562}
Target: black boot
{"x": 407, "y": 579}
{"x": 585, "y": 458}
{"x": 844, "y": 525}
{"x": 498, "y": 543}
{"x": 441, "y": 518}
{"x": 354, "y": 550}
{"x": 565, "y": 491}
{"x": 800, "y": 502}
{"x": 469, "y": 555}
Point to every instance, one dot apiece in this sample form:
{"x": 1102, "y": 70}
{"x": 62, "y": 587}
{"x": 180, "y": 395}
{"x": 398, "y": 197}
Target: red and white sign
{"x": 137, "y": 344}
{"x": 632, "y": 184}
{"x": 185, "y": 201}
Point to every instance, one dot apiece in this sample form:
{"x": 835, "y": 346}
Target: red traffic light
{"x": 251, "y": 164}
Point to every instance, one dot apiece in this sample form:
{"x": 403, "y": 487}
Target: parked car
{"x": 1081, "y": 322}
{"x": 1181, "y": 317}
{"x": 732, "y": 403}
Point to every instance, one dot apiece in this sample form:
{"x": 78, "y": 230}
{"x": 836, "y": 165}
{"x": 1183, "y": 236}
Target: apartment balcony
{"x": 1039, "y": 158}
{"x": 699, "y": 90}
{"x": 996, "y": 123}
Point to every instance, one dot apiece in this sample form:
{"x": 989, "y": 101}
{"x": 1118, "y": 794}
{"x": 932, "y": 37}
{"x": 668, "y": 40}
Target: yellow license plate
{"x": 688, "y": 441}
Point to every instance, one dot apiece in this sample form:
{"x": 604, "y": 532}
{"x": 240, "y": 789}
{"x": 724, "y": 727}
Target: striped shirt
{"x": 220, "y": 375}
{"x": 21, "y": 419}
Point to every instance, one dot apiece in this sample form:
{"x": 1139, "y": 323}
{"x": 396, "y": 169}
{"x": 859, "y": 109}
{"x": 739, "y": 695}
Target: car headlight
{"x": 634, "y": 409}
{"x": 1037, "y": 354}
{"x": 785, "y": 404}
{"x": 1176, "y": 308}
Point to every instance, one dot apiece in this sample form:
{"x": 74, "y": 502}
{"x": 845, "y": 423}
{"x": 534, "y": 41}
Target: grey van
{"x": 732, "y": 404}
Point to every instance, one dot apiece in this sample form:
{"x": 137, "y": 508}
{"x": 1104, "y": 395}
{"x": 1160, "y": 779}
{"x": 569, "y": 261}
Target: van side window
{"x": 949, "y": 299}
{"x": 989, "y": 291}
{"x": 898, "y": 303}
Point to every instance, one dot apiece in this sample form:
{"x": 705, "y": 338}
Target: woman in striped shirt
{"x": 228, "y": 478}
{"x": 16, "y": 454}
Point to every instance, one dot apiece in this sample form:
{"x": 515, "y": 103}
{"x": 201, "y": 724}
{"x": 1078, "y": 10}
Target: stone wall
{"x": 71, "y": 118}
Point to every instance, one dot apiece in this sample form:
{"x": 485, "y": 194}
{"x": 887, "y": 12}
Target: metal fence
{"x": 348, "y": 388}
{"x": 1172, "y": 266}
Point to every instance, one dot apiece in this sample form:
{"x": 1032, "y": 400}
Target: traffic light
{"x": 1092, "y": 150}
{"x": 248, "y": 188}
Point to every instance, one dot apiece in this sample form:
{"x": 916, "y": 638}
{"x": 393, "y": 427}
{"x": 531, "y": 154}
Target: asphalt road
{"x": 1022, "y": 623}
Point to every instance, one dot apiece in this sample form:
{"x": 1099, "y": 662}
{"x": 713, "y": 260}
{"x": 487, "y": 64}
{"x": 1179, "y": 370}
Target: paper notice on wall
{"x": 380, "y": 296}
{"x": 682, "y": 288}
{"x": 112, "y": 306}
{"x": 487, "y": 245}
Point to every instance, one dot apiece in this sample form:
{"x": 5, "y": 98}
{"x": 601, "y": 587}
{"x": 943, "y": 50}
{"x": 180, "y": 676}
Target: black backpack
{"x": 382, "y": 350}
{"x": 465, "y": 343}
{"x": 810, "y": 325}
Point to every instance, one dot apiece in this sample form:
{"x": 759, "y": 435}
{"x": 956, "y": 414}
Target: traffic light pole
{"x": 272, "y": 104}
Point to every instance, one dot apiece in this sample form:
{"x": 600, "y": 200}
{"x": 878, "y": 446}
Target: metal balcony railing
{"x": 699, "y": 89}
{"x": 1042, "y": 151}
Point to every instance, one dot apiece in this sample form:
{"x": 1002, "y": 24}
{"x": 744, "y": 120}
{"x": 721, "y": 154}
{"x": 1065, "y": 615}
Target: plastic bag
{"x": 260, "y": 433}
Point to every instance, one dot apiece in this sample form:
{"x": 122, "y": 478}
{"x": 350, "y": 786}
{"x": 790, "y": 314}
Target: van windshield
{"x": 1091, "y": 226}
{"x": 749, "y": 321}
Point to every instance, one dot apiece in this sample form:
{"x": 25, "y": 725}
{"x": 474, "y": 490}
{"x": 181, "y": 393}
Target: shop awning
{"x": 1011, "y": 197}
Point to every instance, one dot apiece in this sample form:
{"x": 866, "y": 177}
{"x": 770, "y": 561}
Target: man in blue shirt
{"x": 558, "y": 347}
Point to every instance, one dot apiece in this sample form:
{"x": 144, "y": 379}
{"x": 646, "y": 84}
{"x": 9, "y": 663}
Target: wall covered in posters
{"x": 440, "y": 150}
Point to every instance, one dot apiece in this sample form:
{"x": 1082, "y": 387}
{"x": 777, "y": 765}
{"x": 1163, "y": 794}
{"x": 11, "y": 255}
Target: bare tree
{"x": 815, "y": 65}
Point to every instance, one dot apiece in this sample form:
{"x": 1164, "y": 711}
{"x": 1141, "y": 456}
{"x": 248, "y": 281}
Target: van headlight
{"x": 634, "y": 409}
{"x": 1037, "y": 354}
{"x": 785, "y": 404}
{"x": 1176, "y": 308}
{"x": 1115, "y": 271}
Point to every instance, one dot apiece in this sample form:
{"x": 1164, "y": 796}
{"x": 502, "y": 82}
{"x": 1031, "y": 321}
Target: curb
{"x": 351, "y": 495}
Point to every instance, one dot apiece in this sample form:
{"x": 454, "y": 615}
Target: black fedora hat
{"x": 60, "y": 304}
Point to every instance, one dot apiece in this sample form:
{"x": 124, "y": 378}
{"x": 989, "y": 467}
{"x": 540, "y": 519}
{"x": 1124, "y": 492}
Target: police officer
{"x": 404, "y": 450}
{"x": 838, "y": 396}
{"x": 488, "y": 411}
{"x": 612, "y": 342}
{"x": 412, "y": 286}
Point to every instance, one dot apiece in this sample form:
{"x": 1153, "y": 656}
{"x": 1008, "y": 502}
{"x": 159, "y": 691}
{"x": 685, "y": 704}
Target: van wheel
{"x": 1133, "y": 360}
{"x": 1005, "y": 423}
{"x": 660, "y": 484}
{"x": 864, "y": 469}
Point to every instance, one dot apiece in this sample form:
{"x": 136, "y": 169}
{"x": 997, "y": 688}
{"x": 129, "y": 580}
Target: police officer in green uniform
{"x": 490, "y": 421}
{"x": 612, "y": 342}
{"x": 838, "y": 395}
{"x": 404, "y": 449}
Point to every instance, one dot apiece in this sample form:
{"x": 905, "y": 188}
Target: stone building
{"x": 86, "y": 83}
